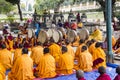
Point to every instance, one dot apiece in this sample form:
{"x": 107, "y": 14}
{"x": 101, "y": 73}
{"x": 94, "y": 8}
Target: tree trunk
{"x": 20, "y": 12}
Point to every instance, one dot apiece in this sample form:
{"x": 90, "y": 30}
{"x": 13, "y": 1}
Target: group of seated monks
{"x": 47, "y": 61}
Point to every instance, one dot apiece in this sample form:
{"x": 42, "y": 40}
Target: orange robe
{"x": 6, "y": 58}
{"x": 37, "y": 53}
{"x": 17, "y": 53}
{"x": 113, "y": 41}
{"x": 78, "y": 51}
{"x": 2, "y": 72}
{"x": 76, "y": 43}
{"x": 65, "y": 64}
{"x": 11, "y": 45}
{"x": 22, "y": 69}
{"x": 85, "y": 62}
{"x": 55, "y": 51}
{"x": 97, "y": 35}
{"x": 70, "y": 50}
{"x": 92, "y": 48}
{"x": 99, "y": 58}
{"x": 46, "y": 67}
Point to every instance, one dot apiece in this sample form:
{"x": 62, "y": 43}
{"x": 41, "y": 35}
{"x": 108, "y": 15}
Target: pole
{"x": 109, "y": 29}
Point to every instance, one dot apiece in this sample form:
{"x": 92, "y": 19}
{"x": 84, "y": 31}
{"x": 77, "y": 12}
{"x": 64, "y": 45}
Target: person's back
{"x": 37, "y": 53}
{"x": 22, "y": 68}
{"x": 65, "y": 63}
{"x": 5, "y": 57}
{"x": 99, "y": 56}
{"x": 55, "y": 50}
{"x": 46, "y": 67}
{"x": 2, "y": 72}
{"x": 18, "y": 52}
{"x": 103, "y": 75}
{"x": 85, "y": 61}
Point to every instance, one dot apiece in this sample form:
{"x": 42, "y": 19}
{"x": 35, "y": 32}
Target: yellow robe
{"x": 65, "y": 64}
{"x": 46, "y": 67}
{"x": 113, "y": 41}
{"x": 76, "y": 43}
{"x": 36, "y": 54}
{"x": 99, "y": 53}
{"x": 70, "y": 50}
{"x": 85, "y": 62}
{"x": 55, "y": 51}
{"x": 80, "y": 25}
{"x": 97, "y": 35}
{"x": 2, "y": 72}
{"x": 22, "y": 69}
{"x": 78, "y": 51}
{"x": 17, "y": 53}
{"x": 92, "y": 48}
{"x": 6, "y": 58}
{"x": 11, "y": 45}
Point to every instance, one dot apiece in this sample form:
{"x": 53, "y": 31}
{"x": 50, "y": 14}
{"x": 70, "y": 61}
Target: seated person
{"x": 22, "y": 68}
{"x": 2, "y": 72}
{"x": 85, "y": 62}
{"x": 99, "y": 56}
{"x": 80, "y": 75}
{"x": 103, "y": 75}
{"x": 118, "y": 73}
{"x": 65, "y": 63}
{"x": 46, "y": 66}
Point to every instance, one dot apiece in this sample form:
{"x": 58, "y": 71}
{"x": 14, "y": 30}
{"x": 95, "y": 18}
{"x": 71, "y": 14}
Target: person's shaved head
{"x": 25, "y": 51}
{"x": 81, "y": 41}
{"x": 79, "y": 74}
{"x": 98, "y": 44}
{"x": 118, "y": 70}
{"x": 101, "y": 70}
{"x": 84, "y": 48}
{"x": 64, "y": 49}
{"x": 46, "y": 50}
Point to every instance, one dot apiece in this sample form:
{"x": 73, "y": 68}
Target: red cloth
{"x": 104, "y": 77}
{"x": 10, "y": 37}
{"x": 82, "y": 78}
{"x": 117, "y": 77}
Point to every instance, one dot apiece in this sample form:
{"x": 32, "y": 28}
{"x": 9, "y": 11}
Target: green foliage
{"x": 5, "y": 7}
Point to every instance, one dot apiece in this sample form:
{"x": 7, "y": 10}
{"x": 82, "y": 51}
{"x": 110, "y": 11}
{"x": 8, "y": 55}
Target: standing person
{"x": 85, "y": 61}
{"x": 6, "y": 57}
{"x": 78, "y": 17}
{"x": 22, "y": 68}
{"x": 80, "y": 75}
{"x": 99, "y": 56}
{"x": 117, "y": 77}
{"x": 65, "y": 63}
{"x": 46, "y": 66}
{"x": 103, "y": 75}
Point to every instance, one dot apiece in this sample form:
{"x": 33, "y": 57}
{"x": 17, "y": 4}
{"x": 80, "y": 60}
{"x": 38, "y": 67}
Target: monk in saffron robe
{"x": 46, "y": 67}
{"x": 92, "y": 46}
{"x": 85, "y": 61}
{"x": 2, "y": 72}
{"x": 55, "y": 50}
{"x": 22, "y": 68}
{"x": 103, "y": 75}
{"x": 78, "y": 51}
{"x": 97, "y": 35}
{"x": 70, "y": 49}
{"x": 117, "y": 77}
{"x": 76, "y": 43}
{"x": 11, "y": 43}
{"x": 80, "y": 75}
{"x": 5, "y": 57}
{"x": 18, "y": 52}
{"x": 65, "y": 63}
{"x": 117, "y": 45}
{"x": 37, "y": 53}
{"x": 99, "y": 56}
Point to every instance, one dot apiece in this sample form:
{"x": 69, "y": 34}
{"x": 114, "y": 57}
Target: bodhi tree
{"x": 17, "y": 2}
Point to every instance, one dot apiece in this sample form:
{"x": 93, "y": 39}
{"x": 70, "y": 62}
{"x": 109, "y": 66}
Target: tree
{"x": 5, "y": 7}
{"x": 16, "y": 2}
